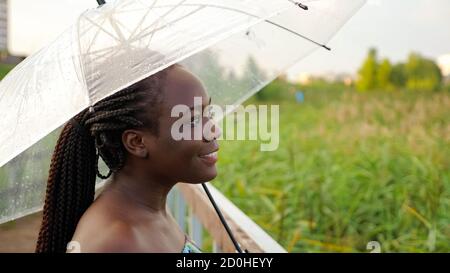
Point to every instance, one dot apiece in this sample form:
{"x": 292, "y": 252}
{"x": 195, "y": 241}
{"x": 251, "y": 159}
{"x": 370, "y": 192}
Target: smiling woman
{"x": 131, "y": 132}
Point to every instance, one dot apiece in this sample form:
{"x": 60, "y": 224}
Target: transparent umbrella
{"x": 234, "y": 46}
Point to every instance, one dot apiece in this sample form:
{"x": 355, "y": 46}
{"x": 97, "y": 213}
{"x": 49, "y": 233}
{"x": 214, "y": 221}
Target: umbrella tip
{"x": 300, "y": 5}
{"x": 100, "y": 2}
{"x": 327, "y": 48}
{"x": 305, "y": 7}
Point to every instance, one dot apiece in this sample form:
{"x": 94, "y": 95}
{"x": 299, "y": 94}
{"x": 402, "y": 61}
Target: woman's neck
{"x": 142, "y": 190}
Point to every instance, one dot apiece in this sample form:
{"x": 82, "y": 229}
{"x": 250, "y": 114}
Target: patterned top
{"x": 190, "y": 246}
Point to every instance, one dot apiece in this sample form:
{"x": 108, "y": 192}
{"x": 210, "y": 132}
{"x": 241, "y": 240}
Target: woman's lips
{"x": 209, "y": 159}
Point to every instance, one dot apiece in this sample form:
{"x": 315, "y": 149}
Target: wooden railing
{"x": 194, "y": 213}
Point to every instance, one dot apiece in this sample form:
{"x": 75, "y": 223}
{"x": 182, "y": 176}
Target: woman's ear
{"x": 136, "y": 143}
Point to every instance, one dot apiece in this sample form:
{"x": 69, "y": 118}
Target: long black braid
{"x": 93, "y": 133}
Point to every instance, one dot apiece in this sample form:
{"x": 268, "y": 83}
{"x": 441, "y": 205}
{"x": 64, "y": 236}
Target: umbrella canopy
{"x": 235, "y": 47}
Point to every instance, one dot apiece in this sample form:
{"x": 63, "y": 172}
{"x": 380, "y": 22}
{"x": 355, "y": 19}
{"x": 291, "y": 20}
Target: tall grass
{"x": 351, "y": 168}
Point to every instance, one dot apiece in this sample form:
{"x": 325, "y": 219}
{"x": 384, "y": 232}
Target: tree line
{"x": 417, "y": 73}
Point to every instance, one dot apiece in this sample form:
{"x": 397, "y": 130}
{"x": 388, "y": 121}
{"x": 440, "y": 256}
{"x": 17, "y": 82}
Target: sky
{"x": 32, "y": 23}
{"x": 394, "y": 27}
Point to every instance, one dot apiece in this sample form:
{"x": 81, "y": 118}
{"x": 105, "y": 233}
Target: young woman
{"x": 131, "y": 131}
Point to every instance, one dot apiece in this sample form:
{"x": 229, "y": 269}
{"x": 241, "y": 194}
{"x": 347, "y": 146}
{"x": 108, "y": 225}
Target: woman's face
{"x": 186, "y": 160}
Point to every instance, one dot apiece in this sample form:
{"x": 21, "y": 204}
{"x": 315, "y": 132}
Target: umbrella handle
{"x": 222, "y": 219}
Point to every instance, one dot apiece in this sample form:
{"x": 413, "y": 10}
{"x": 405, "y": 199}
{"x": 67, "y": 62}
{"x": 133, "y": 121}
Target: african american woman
{"x": 131, "y": 131}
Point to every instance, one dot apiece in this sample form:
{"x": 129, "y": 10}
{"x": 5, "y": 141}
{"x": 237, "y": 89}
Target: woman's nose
{"x": 212, "y": 131}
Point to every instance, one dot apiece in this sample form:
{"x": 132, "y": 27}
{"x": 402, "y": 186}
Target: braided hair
{"x": 93, "y": 133}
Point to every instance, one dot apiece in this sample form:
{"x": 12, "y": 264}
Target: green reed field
{"x": 350, "y": 168}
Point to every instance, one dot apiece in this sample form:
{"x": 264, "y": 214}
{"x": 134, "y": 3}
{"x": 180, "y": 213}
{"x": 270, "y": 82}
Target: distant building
{"x": 3, "y": 24}
{"x": 349, "y": 81}
{"x": 5, "y": 57}
{"x": 345, "y": 78}
{"x": 304, "y": 79}
{"x": 444, "y": 64}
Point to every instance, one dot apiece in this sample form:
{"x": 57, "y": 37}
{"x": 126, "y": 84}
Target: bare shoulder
{"x": 106, "y": 227}
{"x": 102, "y": 229}
{"x": 117, "y": 236}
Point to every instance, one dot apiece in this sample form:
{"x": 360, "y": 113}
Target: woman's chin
{"x": 206, "y": 175}
{"x": 211, "y": 174}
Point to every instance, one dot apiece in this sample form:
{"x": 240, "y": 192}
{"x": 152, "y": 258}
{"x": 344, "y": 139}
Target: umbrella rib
{"x": 156, "y": 21}
{"x": 95, "y": 37}
{"x": 142, "y": 19}
{"x": 106, "y": 53}
{"x": 135, "y": 9}
{"x": 123, "y": 25}
{"x": 282, "y": 27}
{"x": 100, "y": 28}
{"x": 163, "y": 26}
{"x": 152, "y": 35}
{"x": 99, "y": 50}
{"x": 113, "y": 23}
{"x": 298, "y": 34}
{"x": 118, "y": 31}
{"x": 268, "y": 21}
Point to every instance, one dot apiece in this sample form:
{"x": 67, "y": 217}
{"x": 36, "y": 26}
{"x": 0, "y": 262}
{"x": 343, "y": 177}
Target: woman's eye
{"x": 210, "y": 114}
{"x": 195, "y": 120}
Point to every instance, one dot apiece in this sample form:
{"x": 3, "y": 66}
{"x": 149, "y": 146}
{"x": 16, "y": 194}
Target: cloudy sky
{"x": 395, "y": 27}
